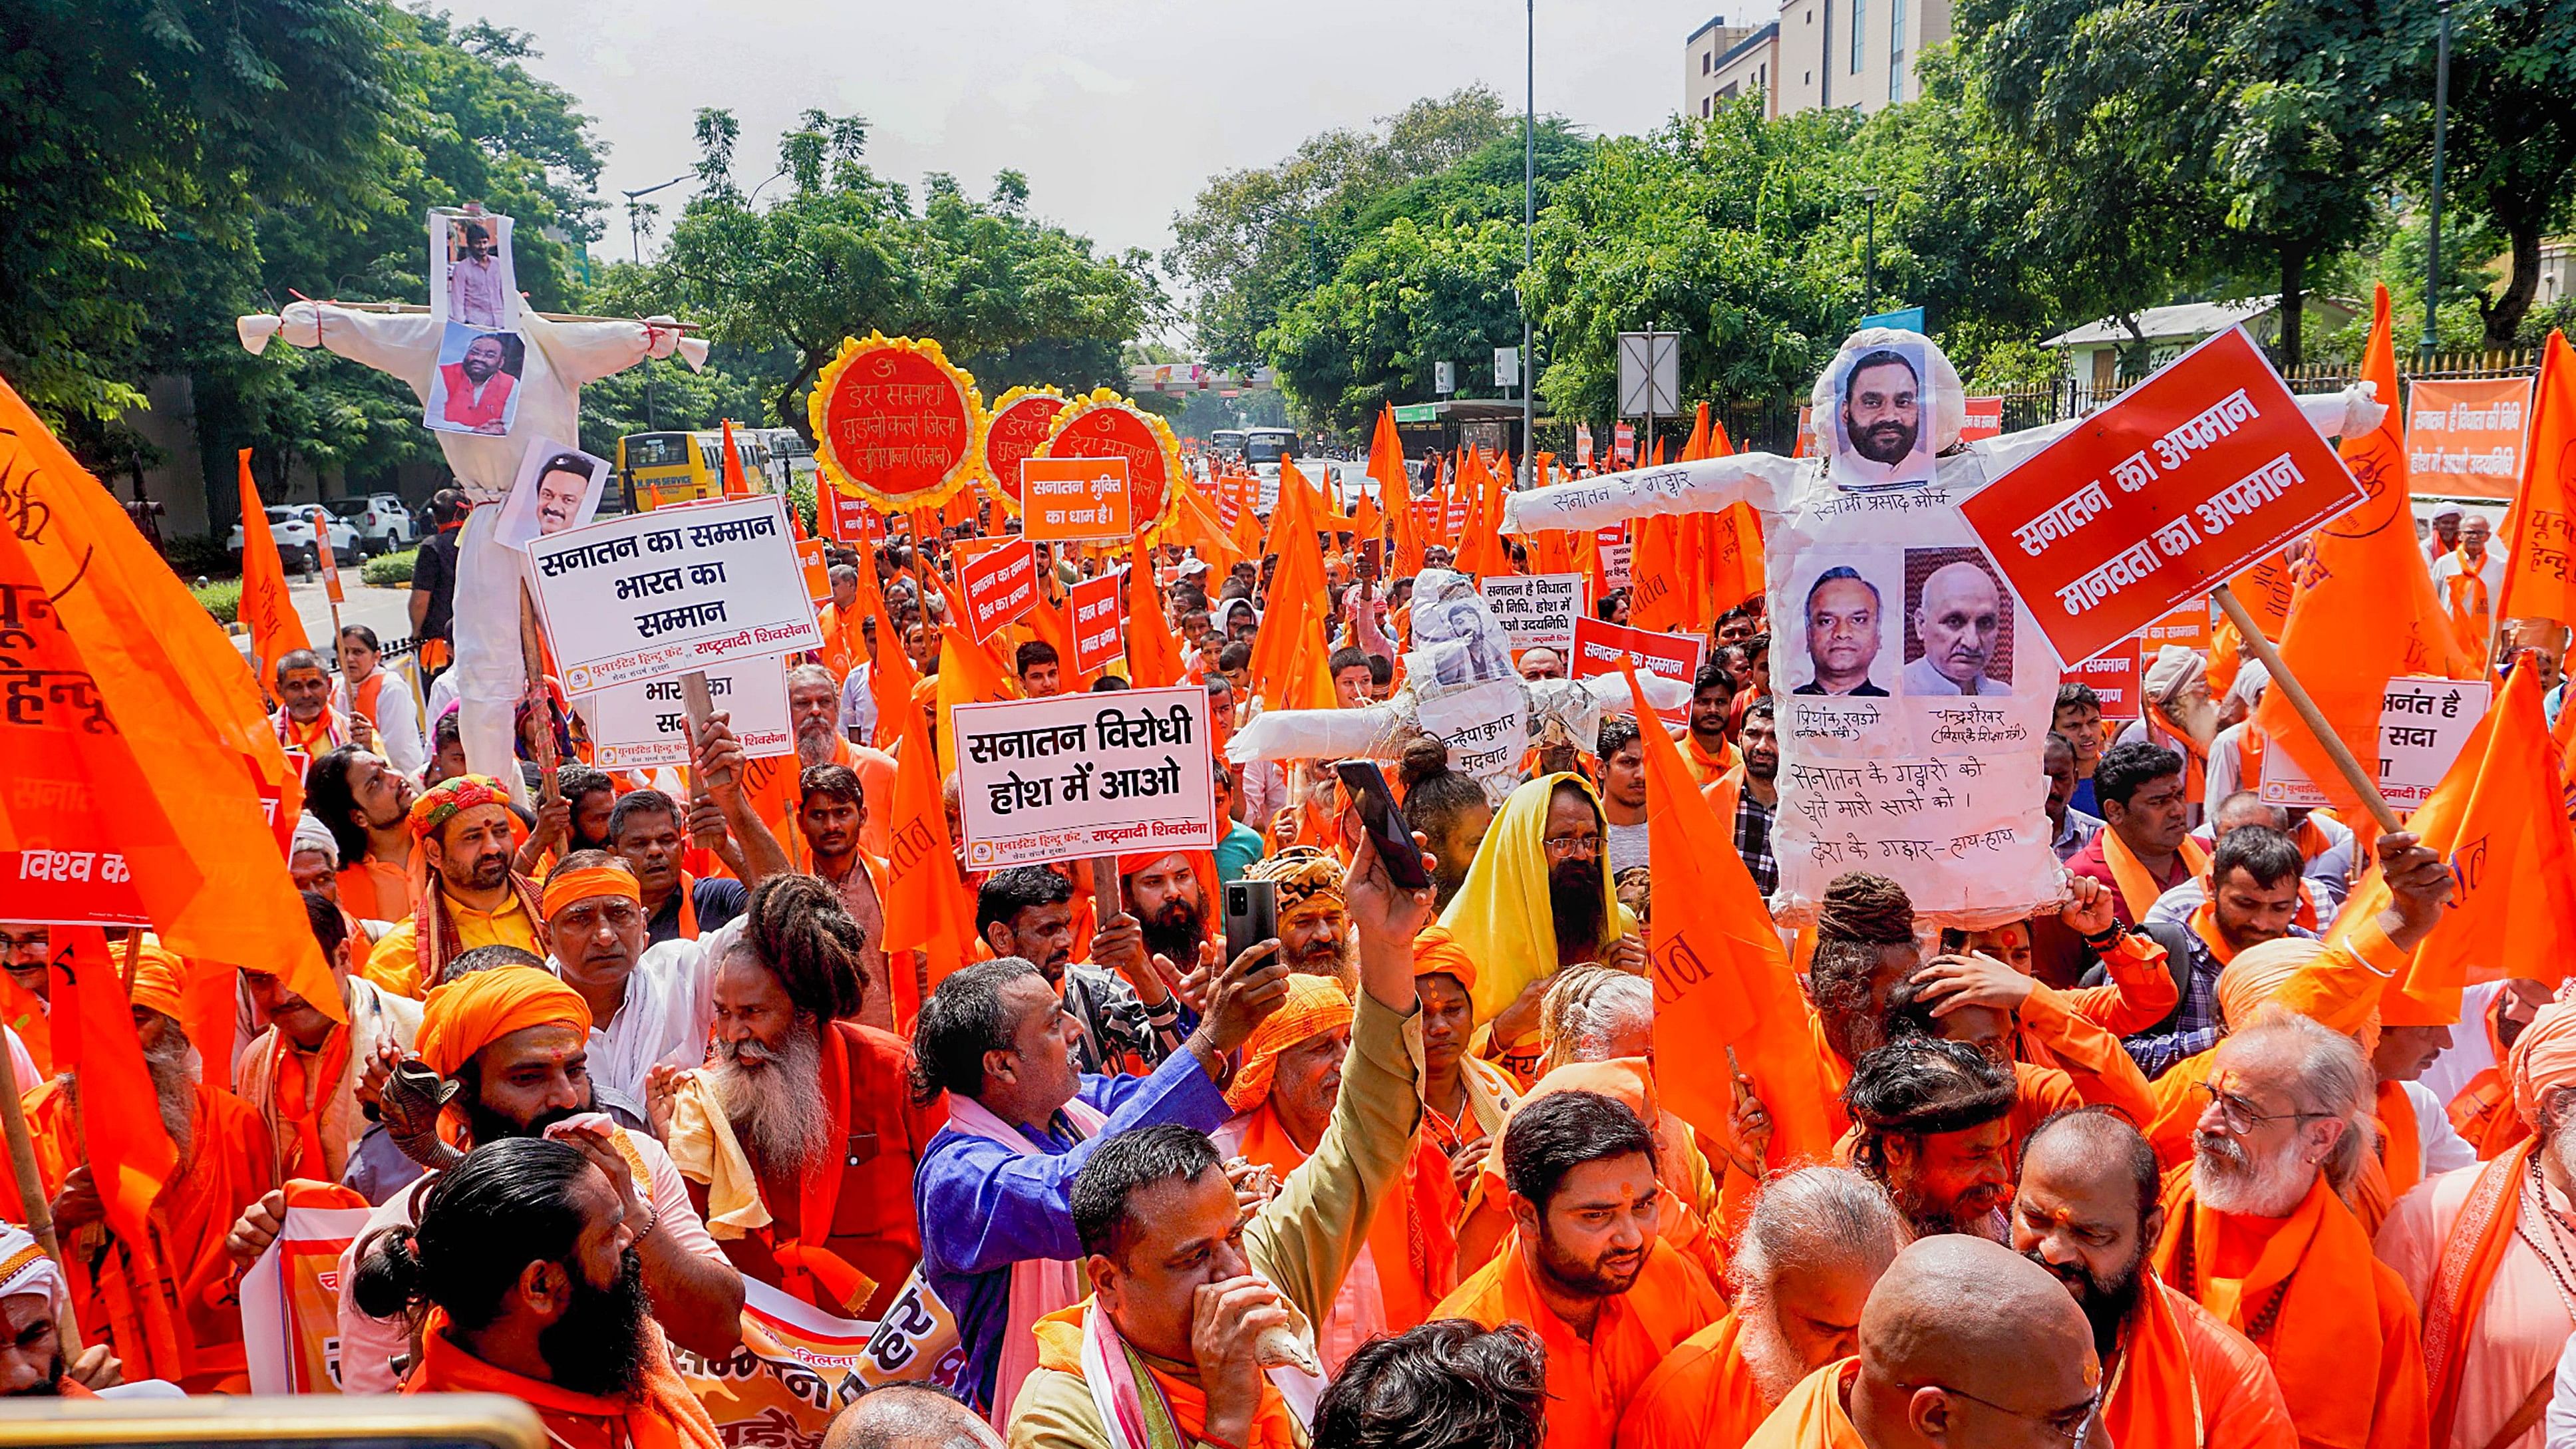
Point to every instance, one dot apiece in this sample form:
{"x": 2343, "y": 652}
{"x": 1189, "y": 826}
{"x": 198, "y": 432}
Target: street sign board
{"x": 1650, "y": 374}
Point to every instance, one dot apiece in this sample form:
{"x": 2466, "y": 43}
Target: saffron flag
{"x": 129, "y": 1153}
{"x": 265, "y": 608}
{"x": 2370, "y": 614}
{"x": 2540, "y": 532}
{"x": 1721, "y": 976}
{"x": 2499, "y": 817}
{"x": 925, "y": 909}
{"x": 1395, "y": 492}
{"x": 735, "y": 484}
{"x": 1288, "y": 653}
{"x": 175, "y": 688}
{"x": 1153, "y": 655}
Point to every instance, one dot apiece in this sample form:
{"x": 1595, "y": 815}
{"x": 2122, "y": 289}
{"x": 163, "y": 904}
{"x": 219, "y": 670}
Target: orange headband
{"x": 565, "y": 887}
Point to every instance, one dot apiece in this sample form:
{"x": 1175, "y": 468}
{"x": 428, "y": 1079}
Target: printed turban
{"x": 1315, "y": 1005}
{"x": 2173, "y": 665}
{"x": 444, "y": 801}
{"x": 24, "y": 1268}
{"x": 1308, "y": 879}
{"x": 473, "y": 1011}
{"x": 2543, "y": 1059}
{"x": 159, "y": 978}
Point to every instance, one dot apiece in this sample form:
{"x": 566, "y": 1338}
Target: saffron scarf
{"x": 2477, "y": 1246}
{"x": 300, "y": 1096}
{"x": 1140, "y": 1406}
{"x": 2138, "y": 888}
{"x": 2466, "y": 594}
{"x": 435, "y": 941}
{"x": 663, "y": 1414}
{"x": 1039, "y": 1286}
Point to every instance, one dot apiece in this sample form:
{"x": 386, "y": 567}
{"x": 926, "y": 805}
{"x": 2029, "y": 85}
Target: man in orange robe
{"x": 1963, "y": 1342}
{"x": 2469, "y": 1246}
{"x": 532, "y": 1244}
{"x": 1816, "y": 1240}
{"x": 2088, "y": 1213}
{"x": 1584, "y": 1202}
{"x": 167, "y": 1305}
{"x": 2256, "y": 1233}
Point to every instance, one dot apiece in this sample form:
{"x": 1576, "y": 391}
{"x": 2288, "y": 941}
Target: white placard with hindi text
{"x": 643, "y": 725}
{"x": 1076, "y": 776}
{"x": 651, "y": 595}
{"x": 2423, "y": 724}
{"x": 1537, "y": 610}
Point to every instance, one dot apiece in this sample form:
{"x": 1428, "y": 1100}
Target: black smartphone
{"x": 1251, "y": 914}
{"x": 1365, "y": 784}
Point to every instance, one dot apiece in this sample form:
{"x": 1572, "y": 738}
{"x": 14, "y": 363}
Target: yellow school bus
{"x": 659, "y": 468}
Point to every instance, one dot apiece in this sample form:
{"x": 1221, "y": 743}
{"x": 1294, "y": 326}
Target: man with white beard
{"x": 1931, "y": 1124}
{"x": 2257, "y": 1233}
{"x": 1804, "y": 1263}
{"x": 798, "y": 1139}
{"x": 2484, "y": 1249}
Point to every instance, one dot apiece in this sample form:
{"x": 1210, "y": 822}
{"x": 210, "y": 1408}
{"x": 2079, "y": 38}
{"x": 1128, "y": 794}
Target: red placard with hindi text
{"x": 1985, "y": 419}
{"x": 1018, "y": 426}
{"x": 1000, "y": 585}
{"x": 1600, "y": 645}
{"x": 848, "y": 519}
{"x": 2194, "y": 475}
{"x": 1097, "y": 605}
{"x": 2465, "y": 437}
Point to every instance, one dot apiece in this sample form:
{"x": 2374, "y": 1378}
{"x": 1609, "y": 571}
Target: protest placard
{"x": 849, "y": 519}
{"x": 1623, "y": 445}
{"x": 2464, "y": 438}
{"x": 2187, "y": 626}
{"x": 1000, "y": 585}
{"x": 1985, "y": 419}
{"x": 2423, "y": 725}
{"x": 816, "y": 568}
{"x": 1070, "y": 500}
{"x": 2113, "y": 676}
{"x": 2189, "y": 478}
{"x": 1599, "y": 646}
{"x": 795, "y": 1368}
{"x": 1081, "y": 775}
{"x": 1486, "y": 728}
{"x": 69, "y": 887}
{"x": 647, "y": 595}
{"x": 1098, "y": 606}
{"x": 894, "y": 422}
{"x": 642, "y": 725}
{"x": 1537, "y": 610}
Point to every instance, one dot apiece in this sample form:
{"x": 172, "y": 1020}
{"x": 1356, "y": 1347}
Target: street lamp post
{"x": 2433, "y": 241}
{"x": 635, "y": 212}
{"x": 1869, "y": 249}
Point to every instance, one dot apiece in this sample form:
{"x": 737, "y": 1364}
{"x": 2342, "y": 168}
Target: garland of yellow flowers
{"x": 984, "y": 478}
{"x": 964, "y": 471}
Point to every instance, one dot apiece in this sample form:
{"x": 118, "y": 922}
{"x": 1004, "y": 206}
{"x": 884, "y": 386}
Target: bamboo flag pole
{"x": 2288, "y": 683}
{"x": 31, "y": 1191}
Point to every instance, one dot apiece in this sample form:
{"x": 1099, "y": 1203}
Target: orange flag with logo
{"x": 1153, "y": 655}
{"x": 2540, "y": 529}
{"x": 175, "y": 688}
{"x": 265, "y": 608}
{"x": 1721, "y": 976}
{"x": 2499, "y": 817}
{"x": 926, "y": 909}
{"x": 2371, "y": 613}
{"x": 129, "y": 1154}
{"x": 1657, "y": 598}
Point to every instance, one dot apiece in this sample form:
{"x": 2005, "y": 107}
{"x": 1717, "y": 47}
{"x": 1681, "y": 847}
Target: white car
{"x": 292, "y": 528}
{"x": 383, "y": 523}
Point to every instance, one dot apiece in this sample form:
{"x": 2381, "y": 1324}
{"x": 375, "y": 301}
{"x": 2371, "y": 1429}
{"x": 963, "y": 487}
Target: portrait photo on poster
{"x": 471, "y": 277}
{"x": 1882, "y": 422}
{"x": 1838, "y": 639}
{"x": 1958, "y": 624}
{"x": 557, "y": 488}
{"x": 476, "y": 386}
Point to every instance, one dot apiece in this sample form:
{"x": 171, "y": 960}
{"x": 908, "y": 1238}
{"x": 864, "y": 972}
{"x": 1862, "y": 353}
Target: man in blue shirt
{"x": 994, "y": 1188}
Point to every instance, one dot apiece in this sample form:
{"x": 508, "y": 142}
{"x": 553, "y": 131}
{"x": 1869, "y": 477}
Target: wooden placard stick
{"x": 31, "y": 1193}
{"x": 2282, "y": 679}
{"x": 532, "y": 659}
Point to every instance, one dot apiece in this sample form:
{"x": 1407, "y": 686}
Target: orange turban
{"x": 2258, "y": 973}
{"x": 1436, "y": 952}
{"x": 159, "y": 980}
{"x": 473, "y": 1011}
{"x": 1315, "y": 1005}
{"x": 2543, "y": 1059}
{"x": 565, "y": 887}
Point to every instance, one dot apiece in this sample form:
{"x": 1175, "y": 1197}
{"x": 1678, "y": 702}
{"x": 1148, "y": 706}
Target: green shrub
{"x": 198, "y": 555}
{"x": 390, "y": 570}
{"x": 222, "y": 600}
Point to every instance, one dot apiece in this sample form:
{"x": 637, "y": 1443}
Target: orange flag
{"x": 968, "y": 674}
{"x": 1721, "y": 977}
{"x": 2371, "y": 613}
{"x": 1153, "y": 654}
{"x": 1480, "y": 549}
{"x": 2499, "y": 817}
{"x": 1048, "y": 622}
{"x": 925, "y": 906}
{"x": 2540, "y": 530}
{"x": 130, "y": 1154}
{"x": 172, "y": 684}
{"x": 1655, "y": 590}
{"x": 275, "y": 628}
{"x": 735, "y": 484}
{"x": 1395, "y": 487}
{"x": 1288, "y": 651}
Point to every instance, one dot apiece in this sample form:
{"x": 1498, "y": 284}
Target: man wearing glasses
{"x": 1963, "y": 1342}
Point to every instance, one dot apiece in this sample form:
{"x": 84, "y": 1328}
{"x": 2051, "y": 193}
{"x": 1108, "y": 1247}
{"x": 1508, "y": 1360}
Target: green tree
{"x": 2512, "y": 143}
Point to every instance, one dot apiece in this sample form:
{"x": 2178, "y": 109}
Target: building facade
{"x": 1857, "y": 54}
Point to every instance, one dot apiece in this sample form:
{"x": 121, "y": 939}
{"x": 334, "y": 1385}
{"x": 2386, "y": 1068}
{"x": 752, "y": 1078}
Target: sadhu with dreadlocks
{"x": 808, "y": 1191}
{"x": 467, "y": 894}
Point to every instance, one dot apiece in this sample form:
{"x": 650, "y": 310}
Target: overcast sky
{"x": 1117, "y": 112}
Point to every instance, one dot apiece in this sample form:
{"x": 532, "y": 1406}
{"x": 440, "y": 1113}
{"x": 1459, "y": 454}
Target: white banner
{"x": 639, "y": 726}
{"x": 648, "y": 595}
{"x": 2423, "y": 724}
{"x": 1074, "y": 776}
{"x": 1486, "y": 729}
{"x": 290, "y": 1301}
{"x": 1537, "y": 610}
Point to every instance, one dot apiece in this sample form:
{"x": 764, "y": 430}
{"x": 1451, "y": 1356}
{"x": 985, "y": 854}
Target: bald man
{"x": 1960, "y": 621}
{"x": 909, "y": 1416}
{"x": 1963, "y": 1343}
{"x": 2088, "y": 1213}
